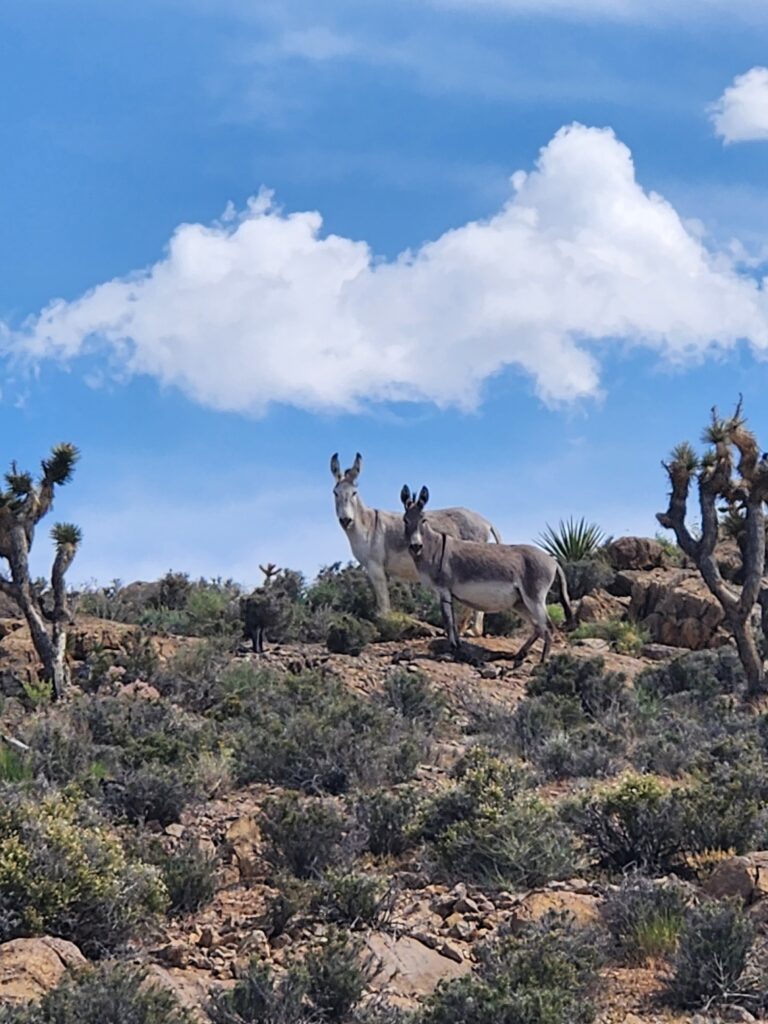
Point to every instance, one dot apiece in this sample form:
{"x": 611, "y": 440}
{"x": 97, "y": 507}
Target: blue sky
{"x": 528, "y": 347}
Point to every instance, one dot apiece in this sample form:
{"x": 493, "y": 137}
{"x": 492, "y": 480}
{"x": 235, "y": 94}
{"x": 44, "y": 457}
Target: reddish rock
{"x": 636, "y": 553}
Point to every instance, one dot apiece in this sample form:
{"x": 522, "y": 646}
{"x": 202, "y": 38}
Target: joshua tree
{"x": 744, "y": 490}
{"x": 23, "y": 503}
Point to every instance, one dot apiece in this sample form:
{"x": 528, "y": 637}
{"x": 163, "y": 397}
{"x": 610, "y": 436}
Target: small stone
{"x": 430, "y": 941}
{"x": 453, "y": 919}
{"x": 451, "y": 952}
{"x": 281, "y": 941}
{"x": 175, "y": 830}
{"x": 464, "y": 930}
{"x": 466, "y": 906}
{"x": 175, "y": 953}
{"x": 207, "y": 938}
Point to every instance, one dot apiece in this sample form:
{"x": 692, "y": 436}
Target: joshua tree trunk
{"x": 22, "y": 505}
{"x": 744, "y": 489}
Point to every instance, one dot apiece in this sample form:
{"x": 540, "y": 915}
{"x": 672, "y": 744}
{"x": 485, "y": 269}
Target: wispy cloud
{"x": 741, "y": 113}
{"x": 263, "y": 308}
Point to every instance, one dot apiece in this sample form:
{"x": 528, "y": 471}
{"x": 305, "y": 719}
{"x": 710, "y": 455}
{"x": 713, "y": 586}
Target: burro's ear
{"x": 405, "y": 496}
{"x": 354, "y": 470}
{"x": 336, "y": 466}
{"x": 423, "y": 497}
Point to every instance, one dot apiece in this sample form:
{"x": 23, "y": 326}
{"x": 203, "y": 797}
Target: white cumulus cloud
{"x": 741, "y": 113}
{"x": 262, "y": 307}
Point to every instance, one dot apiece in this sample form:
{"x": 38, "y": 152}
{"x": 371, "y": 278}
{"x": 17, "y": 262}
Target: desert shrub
{"x": 389, "y": 819}
{"x": 145, "y": 730}
{"x": 204, "y": 679}
{"x": 335, "y": 977}
{"x": 548, "y": 975}
{"x": 259, "y": 997}
{"x": 345, "y": 589}
{"x": 585, "y": 575}
{"x": 574, "y": 721}
{"x": 702, "y": 674}
{"x": 624, "y": 637}
{"x": 189, "y": 874}
{"x": 504, "y": 623}
{"x": 711, "y": 955}
{"x": 303, "y": 835}
{"x": 311, "y": 733}
{"x": 348, "y": 635}
{"x": 100, "y": 995}
{"x": 636, "y": 823}
{"x": 411, "y": 695}
{"x": 398, "y": 625}
{"x": 350, "y": 898}
{"x": 587, "y": 752}
{"x": 209, "y": 611}
{"x": 598, "y": 692}
{"x": 521, "y": 843}
{"x": 62, "y": 875}
{"x": 14, "y": 765}
{"x": 151, "y": 792}
{"x": 486, "y": 828}
{"x": 724, "y": 802}
{"x": 325, "y": 987}
{"x": 63, "y": 749}
{"x": 645, "y": 917}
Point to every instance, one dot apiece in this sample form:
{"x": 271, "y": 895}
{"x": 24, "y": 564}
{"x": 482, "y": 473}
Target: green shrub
{"x": 724, "y": 802}
{"x": 151, "y": 792}
{"x": 520, "y": 844}
{"x": 587, "y": 752}
{"x": 410, "y": 695}
{"x": 15, "y": 766}
{"x": 598, "y": 692}
{"x": 586, "y": 575}
{"x": 189, "y": 874}
{"x": 636, "y": 823}
{"x": 311, "y": 733}
{"x": 711, "y": 956}
{"x": 350, "y": 898}
{"x": 325, "y": 987}
{"x": 623, "y": 637}
{"x": 106, "y": 994}
{"x": 388, "y": 817}
{"x": 546, "y": 976}
{"x": 259, "y": 997}
{"x": 62, "y": 875}
{"x": 336, "y": 977}
{"x": 303, "y": 835}
{"x": 645, "y": 918}
{"x": 348, "y": 635}
{"x": 704, "y": 675}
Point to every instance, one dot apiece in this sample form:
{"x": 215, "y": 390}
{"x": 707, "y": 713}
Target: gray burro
{"x": 489, "y": 578}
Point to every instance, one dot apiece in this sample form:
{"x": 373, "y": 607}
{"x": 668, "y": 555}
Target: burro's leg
{"x": 536, "y": 611}
{"x": 449, "y": 619}
{"x": 378, "y": 580}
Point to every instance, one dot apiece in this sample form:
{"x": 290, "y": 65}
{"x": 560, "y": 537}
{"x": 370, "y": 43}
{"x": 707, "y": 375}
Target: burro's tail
{"x": 565, "y": 600}
{"x": 494, "y": 533}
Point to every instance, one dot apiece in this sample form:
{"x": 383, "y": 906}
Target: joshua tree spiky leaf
{"x": 684, "y": 457}
{"x": 58, "y": 468}
{"x": 573, "y": 540}
{"x": 66, "y": 535}
{"x": 19, "y": 484}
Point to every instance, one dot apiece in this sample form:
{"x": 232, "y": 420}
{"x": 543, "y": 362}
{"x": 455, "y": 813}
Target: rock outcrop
{"x": 31, "y": 967}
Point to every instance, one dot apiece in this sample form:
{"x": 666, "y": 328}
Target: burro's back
{"x": 463, "y": 524}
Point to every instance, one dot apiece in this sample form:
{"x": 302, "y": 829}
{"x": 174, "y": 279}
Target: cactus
{"x": 23, "y": 503}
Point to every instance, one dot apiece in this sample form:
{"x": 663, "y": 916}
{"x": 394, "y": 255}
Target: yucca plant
{"x": 573, "y": 540}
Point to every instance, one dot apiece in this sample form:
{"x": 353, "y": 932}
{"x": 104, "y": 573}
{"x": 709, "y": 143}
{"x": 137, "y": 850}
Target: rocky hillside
{"x": 581, "y": 843}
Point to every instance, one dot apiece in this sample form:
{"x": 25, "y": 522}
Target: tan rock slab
{"x": 407, "y": 968}
{"x": 31, "y": 967}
